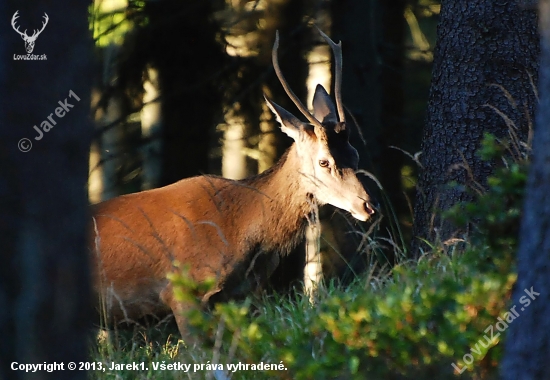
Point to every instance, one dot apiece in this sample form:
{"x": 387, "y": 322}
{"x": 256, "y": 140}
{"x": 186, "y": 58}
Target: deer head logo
{"x": 29, "y": 40}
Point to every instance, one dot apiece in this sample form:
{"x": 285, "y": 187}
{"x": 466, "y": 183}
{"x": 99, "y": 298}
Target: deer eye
{"x": 323, "y": 163}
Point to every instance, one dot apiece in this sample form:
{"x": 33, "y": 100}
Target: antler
{"x": 337, "y": 50}
{"x": 36, "y": 33}
{"x": 288, "y": 91}
{"x": 15, "y": 16}
{"x": 44, "y": 23}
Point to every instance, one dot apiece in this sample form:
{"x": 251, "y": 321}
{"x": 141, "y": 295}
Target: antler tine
{"x": 337, "y": 50}
{"x": 44, "y": 23}
{"x": 288, "y": 91}
{"x": 13, "y": 20}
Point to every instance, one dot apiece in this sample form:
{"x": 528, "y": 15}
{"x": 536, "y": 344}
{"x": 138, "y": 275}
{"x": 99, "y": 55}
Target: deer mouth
{"x": 363, "y": 211}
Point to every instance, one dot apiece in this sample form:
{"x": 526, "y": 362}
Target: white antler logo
{"x": 29, "y": 40}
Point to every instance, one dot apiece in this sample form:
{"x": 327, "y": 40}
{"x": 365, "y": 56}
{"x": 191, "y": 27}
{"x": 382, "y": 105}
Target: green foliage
{"x": 109, "y": 22}
{"x": 426, "y": 318}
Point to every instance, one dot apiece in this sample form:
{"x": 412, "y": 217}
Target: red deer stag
{"x": 233, "y": 231}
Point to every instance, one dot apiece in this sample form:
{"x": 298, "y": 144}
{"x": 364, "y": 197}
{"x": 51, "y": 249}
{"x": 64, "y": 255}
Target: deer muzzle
{"x": 362, "y": 210}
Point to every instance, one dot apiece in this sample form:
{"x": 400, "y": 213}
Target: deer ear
{"x": 323, "y": 107}
{"x": 290, "y": 124}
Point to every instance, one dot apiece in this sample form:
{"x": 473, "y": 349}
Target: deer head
{"x": 328, "y": 161}
{"x": 29, "y": 40}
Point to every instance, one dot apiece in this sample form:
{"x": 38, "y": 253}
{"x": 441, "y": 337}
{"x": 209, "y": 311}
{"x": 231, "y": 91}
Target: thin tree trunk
{"x": 151, "y": 127}
{"x": 44, "y": 293}
{"x": 528, "y": 341}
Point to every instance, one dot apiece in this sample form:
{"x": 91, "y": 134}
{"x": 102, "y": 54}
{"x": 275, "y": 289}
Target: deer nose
{"x": 369, "y": 208}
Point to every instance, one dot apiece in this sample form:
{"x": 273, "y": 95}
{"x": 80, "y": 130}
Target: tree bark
{"x": 485, "y": 62}
{"x": 528, "y": 341}
{"x": 44, "y": 292}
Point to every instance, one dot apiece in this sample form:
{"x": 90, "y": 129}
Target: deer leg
{"x": 180, "y": 310}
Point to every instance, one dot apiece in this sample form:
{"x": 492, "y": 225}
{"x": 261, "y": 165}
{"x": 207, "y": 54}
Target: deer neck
{"x": 282, "y": 204}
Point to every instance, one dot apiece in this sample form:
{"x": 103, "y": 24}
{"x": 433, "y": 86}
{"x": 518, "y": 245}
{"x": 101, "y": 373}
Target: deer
{"x": 234, "y": 231}
{"x": 29, "y": 40}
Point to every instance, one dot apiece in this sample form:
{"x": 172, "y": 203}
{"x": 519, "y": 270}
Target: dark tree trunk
{"x": 528, "y": 340}
{"x": 182, "y": 45}
{"x": 361, "y": 73}
{"x": 44, "y": 292}
{"x": 356, "y": 24}
{"x": 392, "y": 54}
{"x": 486, "y": 56}
{"x": 372, "y": 89}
